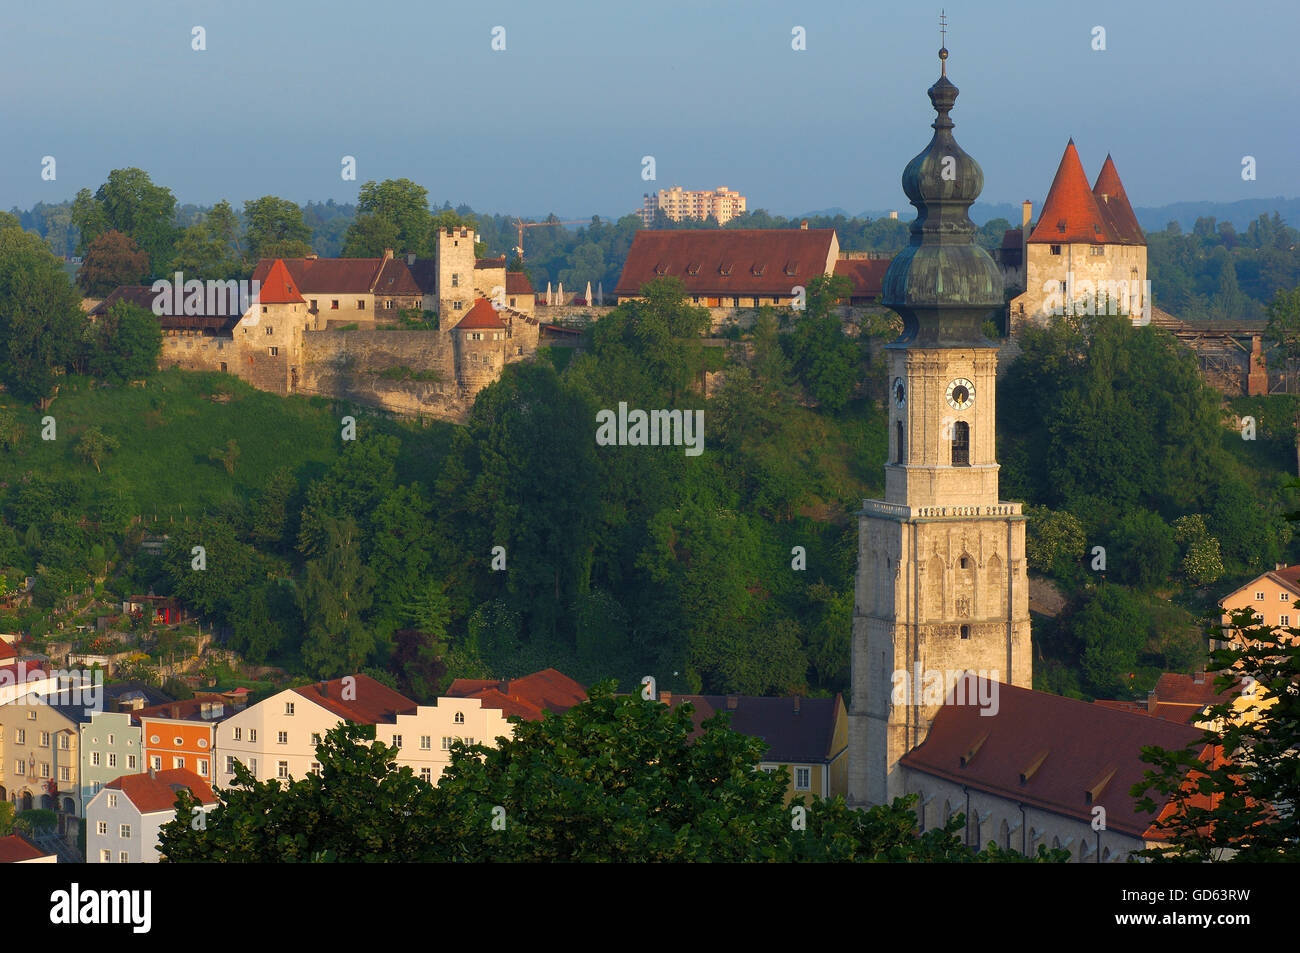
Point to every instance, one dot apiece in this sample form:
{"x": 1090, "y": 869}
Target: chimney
{"x": 796, "y": 704}
{"x": 503, "y": 686}
{"x": 152, "y": 774}
{"x": 388, "y": 253}
{"x": 410, "y": 258}
{"x": 666, "y": 697}
{"x": 313, "y": 256}
{"x": 1151, "y": 702}
{"x": 1278, "y": 567}
{"x": 175, "y": 711}
{"x": 1026, "y": 213}
{"x": 732, "y": 702}
{"x": 803, "y": 225}
{"x": 1198, "y": 678}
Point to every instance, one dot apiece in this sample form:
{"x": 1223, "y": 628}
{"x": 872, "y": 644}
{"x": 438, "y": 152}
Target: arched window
{"x": 898, "y": 442}
{"x": 460, "y": 718}
{"x": 961, "y": 444}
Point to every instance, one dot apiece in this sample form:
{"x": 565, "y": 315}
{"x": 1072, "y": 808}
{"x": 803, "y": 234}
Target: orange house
{"x": 182, "y": 734}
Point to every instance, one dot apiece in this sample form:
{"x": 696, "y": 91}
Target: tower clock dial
{"x": 961, "y": 394}
{"x": 900, "y": 392}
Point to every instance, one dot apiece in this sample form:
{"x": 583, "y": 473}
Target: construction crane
{"x": 521, "y": 225}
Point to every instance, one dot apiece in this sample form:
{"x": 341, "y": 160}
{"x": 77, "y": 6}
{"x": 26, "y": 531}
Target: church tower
{"x": 941, "y": 580}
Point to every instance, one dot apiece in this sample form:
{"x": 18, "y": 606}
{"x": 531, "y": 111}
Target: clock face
{"x": 961, "y": 394}
{"x": 900, "y": 392}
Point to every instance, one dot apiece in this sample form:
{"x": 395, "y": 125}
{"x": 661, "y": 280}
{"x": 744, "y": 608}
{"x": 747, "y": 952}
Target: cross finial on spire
{"x": 943, "y": 43}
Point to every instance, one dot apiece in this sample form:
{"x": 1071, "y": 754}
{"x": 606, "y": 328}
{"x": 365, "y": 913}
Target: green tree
{"x": 41, "y": 321}
{"x": 124, "y": 344}
{"x": 1112, "y": 628}
{"x": 1233, "y": 791}
{"x": 1054, "y": 541}
{"x": 95, "y": 445}
{"x": 1201, "y": 563}
{"x": 227, "y": 456}
{"x": 401, "y": 204}
{"x": 369, "y": 235}
{"x": 111, "y": 260}
{"x": 1144, "y": 549}
{"x": 337, "y": 591}
{"x": 276, "y": 229}
{"x": 130, "y": 203}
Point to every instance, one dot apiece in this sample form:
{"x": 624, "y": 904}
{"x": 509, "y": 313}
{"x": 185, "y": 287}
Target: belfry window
{"x": 961, "y": 444}
{"x": 898, "y": 432}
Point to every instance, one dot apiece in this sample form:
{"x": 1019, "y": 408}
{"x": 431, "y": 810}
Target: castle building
{"x": 1086, "y": 255}
{"x": 941, "y": 580}
{"x": 941, "y": 698}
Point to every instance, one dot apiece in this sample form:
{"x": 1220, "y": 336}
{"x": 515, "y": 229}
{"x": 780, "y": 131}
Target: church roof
{"x": 766, "y": 262}
{"x": 1115, "y": 208}
{"x": 1059, "y": 754}
{"x": 1070, "y": 211}
{"x": 278, "y": 287}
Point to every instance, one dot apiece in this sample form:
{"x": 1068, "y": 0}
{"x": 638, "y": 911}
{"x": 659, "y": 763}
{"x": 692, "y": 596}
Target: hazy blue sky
{"x": 560, "y": 119}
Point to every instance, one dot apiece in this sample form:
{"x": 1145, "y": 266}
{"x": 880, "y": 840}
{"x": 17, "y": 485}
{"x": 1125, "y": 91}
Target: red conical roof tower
{"x": 1115, "y": 208}
{"x": 279, "y": 287}
{"x": 1070, "y": 212}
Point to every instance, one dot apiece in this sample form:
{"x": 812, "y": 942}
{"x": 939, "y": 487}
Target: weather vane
{"x": 943, "y": 42}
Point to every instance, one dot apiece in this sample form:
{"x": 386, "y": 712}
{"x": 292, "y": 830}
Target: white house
{"x": 124, "y": 818}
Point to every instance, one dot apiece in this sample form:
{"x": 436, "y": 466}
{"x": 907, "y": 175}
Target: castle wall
{"x": 1091, "y": 274}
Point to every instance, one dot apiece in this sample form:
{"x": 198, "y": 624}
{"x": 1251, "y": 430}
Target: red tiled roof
{"x": 1115, "y": 208}
{"x": 1083, "y": 744}
{"x": 396, "y": 278}
{"x": 796, "y": 730}
{"x": 1288, "y": 578}
{"x": 16, "y": 848}
{"x": 481, "y": 316}
{"x": 157, "y": 792}
{"x": 490, "y": 262}
{"x": 189, "y": 709}
{"x": 7, "y": 651}
{"x": 517, "y": 283}
{"x": 326, "y": 275}
{"x": 17, "y": 672}
{"x": 374, "y": 701}
{"x": 726, "y": 262}
{"x": 867, "y": 274}
{"x": 142, "y": 296}
{"x": 527, "y": 697}
{"x": 278, "y": 287}
{"x": 1070, "y": 212}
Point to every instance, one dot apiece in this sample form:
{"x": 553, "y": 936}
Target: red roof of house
{"x": 726, "y": 262}
{"x": 278, "y": 287}
{"x": 1115, "y": 208}
{"x": 326, "y": 275}
{"x": 174, "y": 317}
{"x": 155, "y": 792}
{"x": 490, "y": 262}
{"x": 517, "y": 283}
{"x": 358, "y": 698}
{"x": 1070, "y": 212}
{"x": 867, "y": 274}
{"x": 16, "y": 848}
{"x": 7, "y": 651}
{"x": 397, "y": 278}
{"x": 1077, "y": 747}
{"x": 188, "y": 709}
{"x": 527, "y": 697}
{"x": 481, "y": 316}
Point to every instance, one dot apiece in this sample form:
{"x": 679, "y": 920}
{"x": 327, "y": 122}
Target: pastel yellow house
{"x": 809, "y": 737}
{"x": 1271, "y": 595}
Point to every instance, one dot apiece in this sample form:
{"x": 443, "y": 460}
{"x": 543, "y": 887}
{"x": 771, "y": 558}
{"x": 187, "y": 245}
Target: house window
{"x": 112, "y": 760}
{"x": 94, "y": 759}
{"x": 263, "y": 311}
{"x": 269, "y": 330}
{"x": 230, "y": 765}
{"x": 361, "y": 305}
{"x": 965, "y": 632}
{"x": 110, "y": 738}
{"x": 282, "y": 769}
{"x": 156, "y": 763}
{"x": 315, "y": 739}
{"x": 31, "y": 716}
{"x": 334, "y": 305}
{"x": 178, "y": 741}
{"x": 397, "y": 741}
{"x": 1284, "y": 620}
{"x": 455, "y": 306}
{"x": 275, "y": 351}
{"x": 20, "y": 735}
{"x": 288, "y": 708}
{"x": 1055, "y": 249}
{"x": 130, "y": 762}
{"x": 388, "y": 304}
{"x": 178, "y": 762}
{"x": 315, "y": 767}
{"x": 426, "y": 775}
{"x": 102, "y": 828}
{"x": 203, "y": 767}
{"x": 1097, "y": 251}
{"x": 105, "y": 856}
{"x": 65, "y": 773}
{"x": 123, "y": 857}
{"x": 1284, "y": 597}
{"x": 112, "y": 802}
{"x": 252, "y": 766}
{"x": 802, "y": 779}
{"x": 512, "y": 302}
{"x": 252, "y": 734}
{"x": 282, "y": 737}
{"x": 455, "y": 280}
{"x": 20, "y": 767}
{"x": 45, "y": 769}
{"x": 426, "y": 742}
{"x": 125, "y": 831}
{"x": 961, "y": 444}
{"x": 45, "y": 739}
{"x": 460, "y": 718}
{"x": 313, "y": 304}
{"x": 1259, "y": 597}
{"x": 238, "y": 733}
{"x": 446, "y": 744}
{"x": 96, "y": 787}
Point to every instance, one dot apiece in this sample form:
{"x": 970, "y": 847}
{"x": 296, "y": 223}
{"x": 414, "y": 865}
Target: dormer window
{"x": 757, "y": 270}
{"x": 693, "y": 268}
{"x": 792, "y": 268}
{"x": 661, "y": 268}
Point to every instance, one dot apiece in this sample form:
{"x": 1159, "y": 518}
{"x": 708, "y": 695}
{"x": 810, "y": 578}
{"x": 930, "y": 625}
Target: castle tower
{"x": 941, "y": 584}
{"x": 455, "y": 278}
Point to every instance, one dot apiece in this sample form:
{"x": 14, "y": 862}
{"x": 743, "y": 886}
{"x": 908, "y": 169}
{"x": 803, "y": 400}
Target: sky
{"x": 561, "y": 119}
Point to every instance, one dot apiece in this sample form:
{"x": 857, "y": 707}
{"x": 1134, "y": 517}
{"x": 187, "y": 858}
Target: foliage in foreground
{"x": 612, "y": 779}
